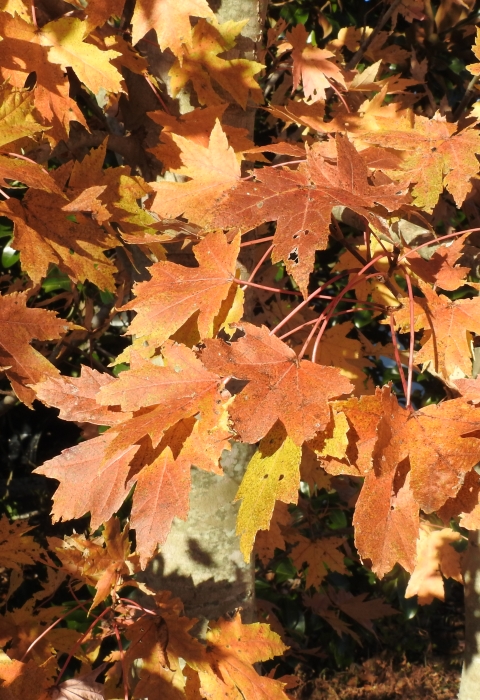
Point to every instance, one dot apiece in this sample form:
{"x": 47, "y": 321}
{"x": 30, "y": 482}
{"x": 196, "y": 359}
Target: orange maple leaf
{"x": 18, "y": 326}
{"x": 202, "y": 64}
{"x": 301, "y": 201}
{"x": 16, "y": 547}
{"x": 76, "y": 397}
{"x": 102, "y": 562}
{"x": 176, "y": 293}
{"x": 447, "y": 324}
{"x": 435, "y": 157}
{"x": 311, "y": 65}
{"x": 435, "y": 556}
{"x": 170, "y": 20}
{"x": 232, "y": 649}
{"x": 280, "y": 386}
{"x": 213, "y": 169}
{"x": 21, "y": 53}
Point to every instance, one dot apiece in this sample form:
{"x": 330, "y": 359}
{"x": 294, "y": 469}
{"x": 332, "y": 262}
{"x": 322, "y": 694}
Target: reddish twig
{"x": 260, "y": 263}
{"x": 396, "y": 352}
{"x": 328, "y": 313}
{"x": 78, "y": 642}
{"x": 412, "y": 340}
{"x": 267, "y": 289}
{"x": 308, "y": 300}
{"x": 29, "y": 160}
{"x": 256, "y": 241}
{"x": 157, "y": 94}
{"x": 434, "y": 241}
{"x": 122, "y": 660}
{"x": 54, "y": 624}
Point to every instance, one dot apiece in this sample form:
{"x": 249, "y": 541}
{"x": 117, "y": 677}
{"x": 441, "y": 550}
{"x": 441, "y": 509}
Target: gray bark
{"x": 470, "y": 683}
{"x": 201, "y": 562}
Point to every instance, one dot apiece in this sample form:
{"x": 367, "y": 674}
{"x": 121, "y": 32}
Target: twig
{"x": 54, "y": 624}
{"x": 267, "y": 289}
{"x": 256, "y": 241}
{"x": 79, "y": 641}
{"x": 260, "y": 263}
{"x": 412, "y": 340}
{"x": 466, "y": 97}
{"x": 358, "y": 55}
{"x": 398, "y": 359}
{"x": 122, "y": 659}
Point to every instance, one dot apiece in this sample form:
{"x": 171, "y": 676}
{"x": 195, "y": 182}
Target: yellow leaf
{"x": 273, "y": 474}
{"x": 65, "y": 39}
{"x": 336, "y": 445}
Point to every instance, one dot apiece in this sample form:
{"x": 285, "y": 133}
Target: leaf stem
{"x": 256, "y": 241}
{"x": 54, "y": 624}
{"x": 259, "y": 264}
{"x": 412, "y": 340}
{"x": 396, "y": 352}
{"x": 122, "y": 660}
{"x": 78, "y": 642}
{"x": 267, "y": 289}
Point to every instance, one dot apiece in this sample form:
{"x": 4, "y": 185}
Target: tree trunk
{"x": 470, "y": 683}
{"x": 201, "y": 561}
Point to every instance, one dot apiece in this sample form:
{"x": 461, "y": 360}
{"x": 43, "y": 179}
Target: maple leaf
{"x": 197, "y": 127}
{"x": 16, "y": 548}
{"x": 162, "y": 493}
{"x": 82, "y": 687}
{"x": 386, "y": 516}
{"x": 170, "y": 20}
{"x": 44, "y": 235}
{"x": 19, "y": 325}
{"x": 311, "y": 65}
{"x": 437, "y": 157}
{"x": 446, "y": 343}
{"x": 201, "y": 64}
{"x": 16, "y": 120}
{"x": 178, "y": 391}
{"x": 22, "y": 680}
{"x": 474, "y": 68}
{"x": 89, "y": 481}
{"x": 320, "y": 603}
{"x": 440, "y": 270}
{"x": 361, "y": 610}
{"x": 363, "y": 415}
{"x": 321, "y": 556}
{"x": 21, "y": 52}
{"x": 176, "y": 293}
{"x": 301, "y": 201}
{"x": 99, "y": 13}
{"x": 64, "y": 39}
{"x": 163, "y": 642}
{"x": 266, "y": 541}
{"x": 272, "y": 475}
{"x": 29, "y": 173}
{"x": 75, "y": 397}
{"x": 465, "y": 504}
{"x": 213, "y": 169}
{"x": 102, "y": 562}
{"x": 435, "y": 556}
{"x": 232, "y": 649}
{"x": 280, "y": 387}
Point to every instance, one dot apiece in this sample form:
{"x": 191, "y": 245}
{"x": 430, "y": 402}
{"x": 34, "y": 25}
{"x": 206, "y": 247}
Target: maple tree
{"x": 243, "y": 276}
